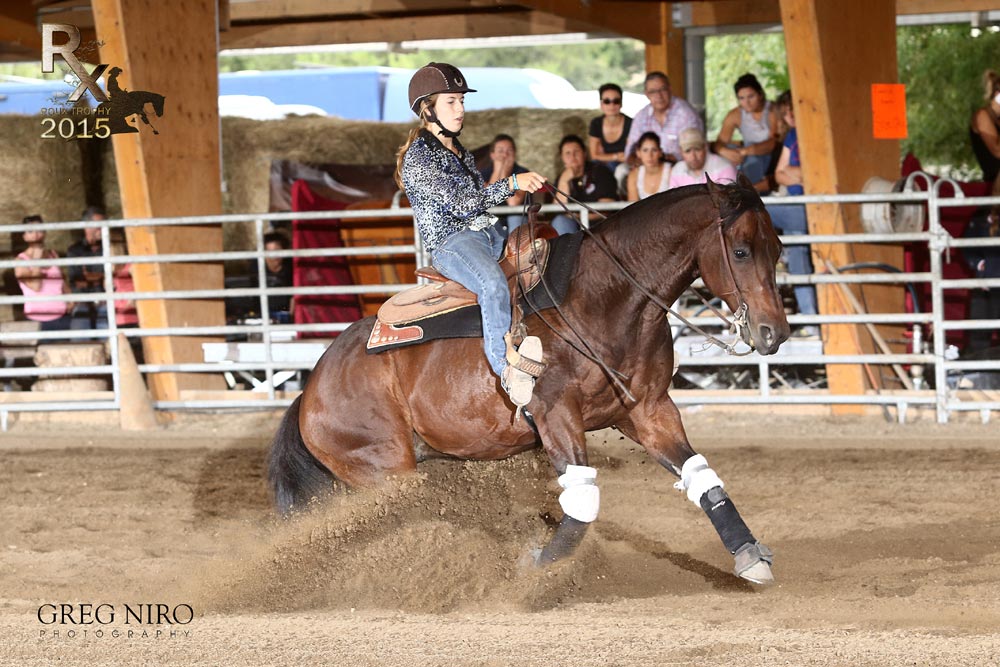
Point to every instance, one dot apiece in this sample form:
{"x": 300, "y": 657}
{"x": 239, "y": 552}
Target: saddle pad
{"x": 466, "y": 321}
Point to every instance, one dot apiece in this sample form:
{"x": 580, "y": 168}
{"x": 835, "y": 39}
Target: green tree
{"x": 586, "y": 65}
{"x": 727, "y": 57}
{"x": 942, "y": 67}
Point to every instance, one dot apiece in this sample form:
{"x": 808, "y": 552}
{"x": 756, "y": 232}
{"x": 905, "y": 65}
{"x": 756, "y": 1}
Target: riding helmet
{"x": 436, "y": 78}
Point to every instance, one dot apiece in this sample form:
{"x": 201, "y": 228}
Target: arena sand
{"x": 886, "y": 538}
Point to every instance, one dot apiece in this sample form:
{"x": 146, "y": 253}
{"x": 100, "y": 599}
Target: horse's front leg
{"x": 564, "y": 440}
{"x": 658, "y": 428}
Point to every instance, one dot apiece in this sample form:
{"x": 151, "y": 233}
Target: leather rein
{"x": 738, "y": 325}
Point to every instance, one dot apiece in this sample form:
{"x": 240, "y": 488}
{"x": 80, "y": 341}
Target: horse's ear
{"x": 744, "y": 182}
{"x": 715, "y": 191}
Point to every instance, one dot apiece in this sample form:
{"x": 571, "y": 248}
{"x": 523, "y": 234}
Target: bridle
{"x": 738, "y": 325}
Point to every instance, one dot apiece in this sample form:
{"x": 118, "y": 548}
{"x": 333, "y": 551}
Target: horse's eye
{"x": 741, "y": 253}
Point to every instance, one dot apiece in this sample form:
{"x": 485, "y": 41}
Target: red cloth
{"x": 953, "y": 266}
{"x": 320, "y": 271}
{"x": 125, "y": 312}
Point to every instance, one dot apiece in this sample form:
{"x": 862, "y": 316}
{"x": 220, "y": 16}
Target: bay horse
{"x": 363, "y": 417}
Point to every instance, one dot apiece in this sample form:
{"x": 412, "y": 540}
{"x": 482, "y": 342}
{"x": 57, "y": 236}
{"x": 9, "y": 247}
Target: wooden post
{"x": 135, "y": 411}
{"x": 836, "y": 50}
{"x": 170, "y": 48}
{"x": 667, "y": 53}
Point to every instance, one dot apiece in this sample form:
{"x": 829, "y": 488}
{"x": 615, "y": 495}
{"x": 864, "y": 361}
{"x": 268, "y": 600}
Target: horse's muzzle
{"x": 767, "y": 337}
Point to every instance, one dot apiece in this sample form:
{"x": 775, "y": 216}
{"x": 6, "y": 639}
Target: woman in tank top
{"x": 758, "y": 128}
{"x": 653, "y": 173}
{"x": 984, "y": 131}
{"x": 42, "y": 281}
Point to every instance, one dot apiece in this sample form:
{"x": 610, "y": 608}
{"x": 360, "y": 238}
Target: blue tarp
{"x": 357, "y": 93}
{"x": 30, "y": 98}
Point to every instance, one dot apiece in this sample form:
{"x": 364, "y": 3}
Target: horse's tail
{"x": 296, "y": 475}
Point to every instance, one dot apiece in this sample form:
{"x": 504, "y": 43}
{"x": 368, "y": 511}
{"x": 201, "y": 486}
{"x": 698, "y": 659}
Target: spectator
{"x": 46, "y": 281}
{"x": 609, "y": 132}
{"x": 88, "y": 278}
{"x": 984, "y": 130}
{"x": 126, "y": 314}
{"x": 582, "y": 179}
{"x": 791, "y": 219}
{"x": 758, "y": 129}
{"x": 503, "y": 154}
{"x": 653, "y": 174}
{"x": 665, "y": 114}
{"x": 699, "y": 162}
{"x": 278, "y": 273}
{"x": 984, "y": 303}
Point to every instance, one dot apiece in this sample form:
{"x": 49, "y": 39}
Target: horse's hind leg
{"x": 564, "y": 440}
{"x": 363, "y": 445}
{"x": 660, "y": 431}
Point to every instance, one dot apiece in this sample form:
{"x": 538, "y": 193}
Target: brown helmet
{"x": 436, "y": 78}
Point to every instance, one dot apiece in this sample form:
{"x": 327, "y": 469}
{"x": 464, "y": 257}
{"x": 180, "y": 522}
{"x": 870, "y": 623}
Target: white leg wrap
{"x": 697, "y": 478}
{"x": 581, "y": 499}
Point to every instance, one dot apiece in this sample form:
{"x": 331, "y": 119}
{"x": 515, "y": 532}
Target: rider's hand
{"x": 529, "y": 181}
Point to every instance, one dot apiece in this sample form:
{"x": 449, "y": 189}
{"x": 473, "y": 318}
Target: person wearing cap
{"x": 450, "y": 206}
{"x": 698, "y": 162}
{"x": 666, "y": 114}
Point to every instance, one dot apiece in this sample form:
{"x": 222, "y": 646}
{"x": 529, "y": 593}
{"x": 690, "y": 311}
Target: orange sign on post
{"x": 888, "y": 111}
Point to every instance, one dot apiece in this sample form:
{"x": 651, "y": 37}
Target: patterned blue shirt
{"x": 446, "y": 191}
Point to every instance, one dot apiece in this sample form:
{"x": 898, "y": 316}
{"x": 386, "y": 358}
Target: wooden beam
{"x": 734, "y": 12}
{"x": 17, "y": 25}
{"x": 831, "y": 87}
{"x": 745, "y": 12}
{"x": 944, "y": 6}
{"x": 255, "y": 10}
{"x": 175, "y": 172}
{"x": 666, "y": 54}
{"x": 639, "y": 20}
{"x": 355, "y": 31}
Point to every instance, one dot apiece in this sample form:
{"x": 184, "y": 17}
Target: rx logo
{"x": 67, "y": 52}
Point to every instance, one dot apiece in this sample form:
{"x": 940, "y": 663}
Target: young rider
{"x": 450, "y": 203}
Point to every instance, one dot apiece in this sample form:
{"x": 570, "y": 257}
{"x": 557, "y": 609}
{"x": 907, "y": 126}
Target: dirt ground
{"x": 886, "y": 538}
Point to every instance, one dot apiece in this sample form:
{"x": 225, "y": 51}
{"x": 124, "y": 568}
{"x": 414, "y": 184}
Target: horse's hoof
{"x": 753, "y": 563}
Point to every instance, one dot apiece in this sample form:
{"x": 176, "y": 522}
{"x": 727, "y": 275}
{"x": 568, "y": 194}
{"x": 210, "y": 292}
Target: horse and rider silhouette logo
{"x": 123, "y": 104}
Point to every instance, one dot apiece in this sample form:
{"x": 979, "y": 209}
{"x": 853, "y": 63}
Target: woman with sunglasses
{"x": 608, "y": 132}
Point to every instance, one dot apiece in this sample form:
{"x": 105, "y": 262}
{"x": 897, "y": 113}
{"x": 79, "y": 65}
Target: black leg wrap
{"x": 727, "y": 521}
{"x": 569, "y": 534}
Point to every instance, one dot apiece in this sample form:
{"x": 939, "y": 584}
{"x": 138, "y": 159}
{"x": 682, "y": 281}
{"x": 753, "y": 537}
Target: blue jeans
{"x": 791, "y": 219}
{"x": 565, "y": 224}
{"x": 470, "y": 259}
{"x": 755, "y": 167}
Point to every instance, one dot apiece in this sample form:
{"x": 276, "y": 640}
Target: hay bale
{"x": 39, "y": 175}
{"x": 53, "y": 355}
{"x": 249, "y": 146}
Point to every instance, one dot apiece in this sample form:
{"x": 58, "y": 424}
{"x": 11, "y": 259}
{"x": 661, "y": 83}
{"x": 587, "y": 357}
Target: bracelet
{"x": 513, "y": 178}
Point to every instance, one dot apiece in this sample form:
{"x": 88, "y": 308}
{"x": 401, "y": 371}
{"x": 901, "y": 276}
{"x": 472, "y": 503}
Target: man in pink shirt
{"x": 666, "y": 114}
{"x": 699, "y": 161}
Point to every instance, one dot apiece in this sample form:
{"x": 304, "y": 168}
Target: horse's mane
{"x": 731, "y": 199}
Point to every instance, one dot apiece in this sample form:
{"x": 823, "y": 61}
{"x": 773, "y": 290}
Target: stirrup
{"x": 517, "y": 382}
{"x": 519, "y": 358}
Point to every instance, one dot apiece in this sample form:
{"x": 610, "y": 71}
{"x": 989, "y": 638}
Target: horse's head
{"x": 736, "y": 257}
